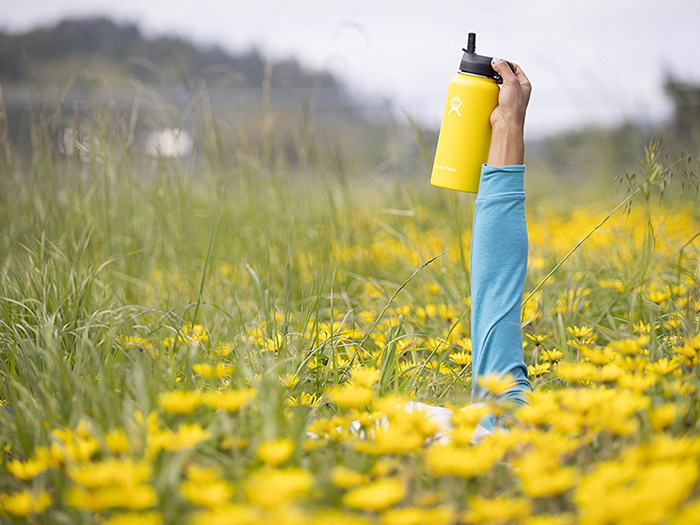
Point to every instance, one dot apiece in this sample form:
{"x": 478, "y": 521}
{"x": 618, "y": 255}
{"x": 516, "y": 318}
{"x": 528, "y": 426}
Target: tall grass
{"x": 292, "y": 265}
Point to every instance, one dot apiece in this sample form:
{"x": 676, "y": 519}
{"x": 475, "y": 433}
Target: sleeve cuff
{"x": 496, "y": 181}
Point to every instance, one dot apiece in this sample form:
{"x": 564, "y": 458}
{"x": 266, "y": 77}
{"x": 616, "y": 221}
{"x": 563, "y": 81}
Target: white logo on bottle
{"x": 455, "y": 102}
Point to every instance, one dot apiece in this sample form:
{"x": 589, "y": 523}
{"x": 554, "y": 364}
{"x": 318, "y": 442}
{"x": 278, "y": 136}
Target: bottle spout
{"x": 476, "y": 64}
{"x": 471, "y": 43}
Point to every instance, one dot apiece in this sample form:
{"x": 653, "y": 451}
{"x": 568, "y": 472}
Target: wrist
{"x": 509, "y": 127}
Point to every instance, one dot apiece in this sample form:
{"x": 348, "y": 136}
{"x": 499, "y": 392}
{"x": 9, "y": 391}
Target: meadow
{"x": 190, "y": 343}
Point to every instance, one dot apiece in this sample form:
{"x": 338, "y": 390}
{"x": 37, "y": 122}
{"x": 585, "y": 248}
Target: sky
{"x": 596, "y": 62}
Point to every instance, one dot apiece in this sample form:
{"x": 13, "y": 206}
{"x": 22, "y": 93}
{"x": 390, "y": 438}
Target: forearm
{"x": 507, "y": 145}
{"x": 498, "y": 266}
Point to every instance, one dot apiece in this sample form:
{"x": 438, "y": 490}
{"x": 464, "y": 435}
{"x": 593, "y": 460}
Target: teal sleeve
{"x": 498, "y": 266}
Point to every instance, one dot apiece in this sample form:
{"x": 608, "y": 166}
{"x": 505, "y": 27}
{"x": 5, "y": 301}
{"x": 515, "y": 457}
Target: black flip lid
{"x": 477, "y": 64}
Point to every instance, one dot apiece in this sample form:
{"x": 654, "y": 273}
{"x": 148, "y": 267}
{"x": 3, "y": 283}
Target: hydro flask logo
{"x": 455, "y": 102}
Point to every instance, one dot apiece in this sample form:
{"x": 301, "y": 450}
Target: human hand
{"x": 508, "y": 119}
{"x": 514, "y": 95}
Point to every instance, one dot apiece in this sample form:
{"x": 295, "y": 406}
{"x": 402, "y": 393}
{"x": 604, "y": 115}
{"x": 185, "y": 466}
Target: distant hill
{"x": 119, "y": 51}
{"x": 74, "y": 60}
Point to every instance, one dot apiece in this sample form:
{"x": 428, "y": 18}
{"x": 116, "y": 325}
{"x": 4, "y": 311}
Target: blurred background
{"x": 357, "y": 86}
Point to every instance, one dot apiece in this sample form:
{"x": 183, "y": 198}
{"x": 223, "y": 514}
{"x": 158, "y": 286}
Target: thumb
{"x": 502, "y": 68}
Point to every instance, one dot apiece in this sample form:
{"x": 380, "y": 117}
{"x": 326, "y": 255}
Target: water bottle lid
{"x": 476, "y": 64}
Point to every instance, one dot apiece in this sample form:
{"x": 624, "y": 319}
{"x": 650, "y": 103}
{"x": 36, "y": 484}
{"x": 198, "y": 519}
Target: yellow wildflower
{"x": 24, "y": 503}
{"x": 496, "y": 384}
{"x": 132, "y": 497}
{"x": 376, "y": 496}
{"x": 205, "y": 370}
{"x": 641, "y": 328}
{"x": 465, "y": 345}
{"x": 134, "y": 341}
{"x": 396, "y": 439}
{"x": 498, "y": 510}
{"x": 551, "y": 355}
{"x": 351, "y": 396}
{"x": 26, "y": 470}
{"x": 274, "y": 453}
{"x": 273, "y": 488}
{"x": 539, "y": 369}
{"x": 180, "y": 401}
{"x": 110, "y": 472}
{"x": 577, "y": 372}
{"x": 346, "y": 478}
{"x": 201, "y": 474}
{"x": 616, "y": 492}
{"x": 538, "y": 339}
{"x": 304, "y": 399}
{"x": 599, "y": 356}
{"x": 580, "y": 332}
{"x": 449, "y": 460}
{"x": 541, "y": 475}
{"x": 229, "y": 401}
{"x": 662, "y": 366}
{"x": 419, "y": 516}
{"x": 224, "y": 349}
{"x": 186, "y": 436}
{"x": 461, "y": 358}
{"x": 636, "y": 382}
{"x": 222, "y": 370}
{"x": 365, "y": 376}
{"x": 629, "y": 346}
{"x": 117, "y": 442}
{"x": 289, "y": 380}
{"x": 209, "y": 494}
{"x": 193, "y": 334}
{"x": 662, "y": 417}
{"x": 610, "y": 372}
{"x": 614, "y": 284}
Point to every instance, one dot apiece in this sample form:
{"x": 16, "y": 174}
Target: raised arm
{"x": 500, "y": 244}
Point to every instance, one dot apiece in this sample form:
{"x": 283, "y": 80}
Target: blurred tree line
{"x": 576, "y": 155}
{"x": 120, "y": 51}
{"x": 686, "y": 106}
{"x": 94, "y": 62}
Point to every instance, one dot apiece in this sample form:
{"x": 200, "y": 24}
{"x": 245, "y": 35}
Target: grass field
{"x": 170, "y": 335}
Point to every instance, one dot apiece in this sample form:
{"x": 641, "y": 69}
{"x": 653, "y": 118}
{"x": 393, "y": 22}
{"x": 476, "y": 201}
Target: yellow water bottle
{"x": 465, "y": 134}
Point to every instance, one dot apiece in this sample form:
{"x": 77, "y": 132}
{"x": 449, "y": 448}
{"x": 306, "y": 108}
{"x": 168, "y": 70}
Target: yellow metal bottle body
{"x": 465, "y": 134}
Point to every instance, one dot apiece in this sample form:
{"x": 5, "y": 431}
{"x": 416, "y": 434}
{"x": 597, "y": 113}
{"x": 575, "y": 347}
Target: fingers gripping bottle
{"x": 465, "y": 135}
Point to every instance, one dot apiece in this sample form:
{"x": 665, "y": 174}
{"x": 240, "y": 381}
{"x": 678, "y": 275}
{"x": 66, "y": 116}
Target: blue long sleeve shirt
{"x": 498, "y": 266}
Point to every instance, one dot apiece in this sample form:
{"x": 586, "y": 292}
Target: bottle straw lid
{"x": 477, "y": 64}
